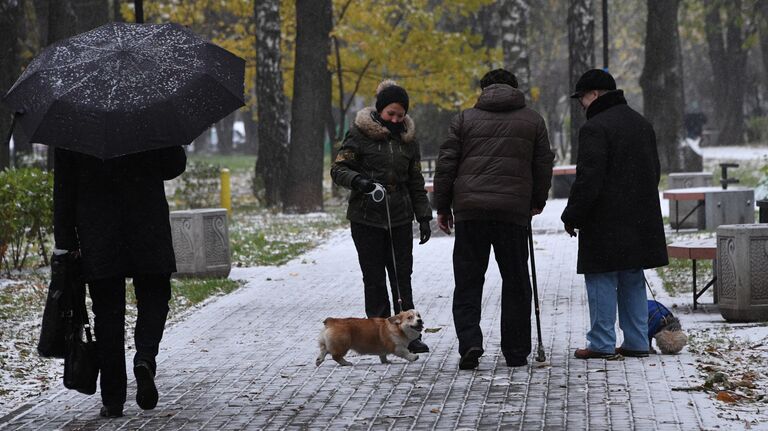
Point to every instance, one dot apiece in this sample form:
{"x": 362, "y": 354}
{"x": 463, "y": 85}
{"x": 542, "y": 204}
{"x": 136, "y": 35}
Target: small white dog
{"x": 374, "y": 336}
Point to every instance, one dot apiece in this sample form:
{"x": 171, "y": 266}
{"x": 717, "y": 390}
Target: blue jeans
{"x": 604, "y": 290}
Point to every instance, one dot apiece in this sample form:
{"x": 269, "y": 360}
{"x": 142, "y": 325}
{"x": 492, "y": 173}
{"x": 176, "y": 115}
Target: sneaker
{"x": 115, "y": 411}
{"x": 513, "y": 361}
{"x": 632, "y": 353}
{"x": 418, "y": 346}
{"x": 590, "y": 354}
{"x": 470, "y": 359}
{"x": 146, "y": 392}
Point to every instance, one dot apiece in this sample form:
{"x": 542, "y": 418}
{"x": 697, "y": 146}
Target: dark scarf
{"x": 395, "y": 129}
{"x": 607, "y": 100}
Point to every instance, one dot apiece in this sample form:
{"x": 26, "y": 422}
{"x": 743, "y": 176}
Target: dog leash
{"x": 378, "y": 194}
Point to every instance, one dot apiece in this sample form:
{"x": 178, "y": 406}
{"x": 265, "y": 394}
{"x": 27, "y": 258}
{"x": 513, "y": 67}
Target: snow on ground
{"x": 734, "y": 153}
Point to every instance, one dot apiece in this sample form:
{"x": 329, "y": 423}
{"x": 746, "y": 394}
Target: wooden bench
{"x": 563, "y": 178}
{"x": 696, "y": 249}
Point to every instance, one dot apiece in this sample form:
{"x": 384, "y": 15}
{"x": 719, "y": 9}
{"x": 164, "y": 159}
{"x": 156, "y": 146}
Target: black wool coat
{"x": 393, "y": 161}
{"x": 615, "y": 200}
{"x": 115, "y": 212}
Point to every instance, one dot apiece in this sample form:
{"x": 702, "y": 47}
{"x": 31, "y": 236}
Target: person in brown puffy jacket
{"x": 493, "y": 174}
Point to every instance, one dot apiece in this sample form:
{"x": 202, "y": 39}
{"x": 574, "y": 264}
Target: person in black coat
{"x": 614, "y": 205}
{"x": 115, "y": 215}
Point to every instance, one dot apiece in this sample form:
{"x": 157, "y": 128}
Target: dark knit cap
{"x": 388, "y": 93}
{"x": 498, "y": 76}
{"x": 593, "y": 79}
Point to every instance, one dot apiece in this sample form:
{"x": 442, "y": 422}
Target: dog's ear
{"x": 395, "y": 320}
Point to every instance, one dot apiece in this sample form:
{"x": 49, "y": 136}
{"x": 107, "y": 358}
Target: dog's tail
{"x": 670, "y": 342}
{"x": 323, "y": 348}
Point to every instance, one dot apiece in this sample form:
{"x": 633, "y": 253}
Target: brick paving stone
{"x": 246, "y": 361}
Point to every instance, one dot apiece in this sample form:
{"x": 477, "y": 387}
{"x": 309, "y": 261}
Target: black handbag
{"x": 58, "y": 313}
{"x": 81, "y": 368}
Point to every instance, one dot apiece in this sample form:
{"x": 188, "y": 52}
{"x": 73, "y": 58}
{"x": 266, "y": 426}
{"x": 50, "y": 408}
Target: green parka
{"x": 393, "y": 161}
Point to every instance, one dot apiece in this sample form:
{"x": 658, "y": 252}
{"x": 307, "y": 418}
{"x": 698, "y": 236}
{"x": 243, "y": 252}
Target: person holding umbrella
{"x": 493, "y": 174}
{"x": 115, "y": 214}
{"x": 117, "y": 103}
{"x": 614, "y": 205}
{"x": 380, "y": 148}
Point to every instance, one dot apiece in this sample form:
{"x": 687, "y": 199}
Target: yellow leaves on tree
{"x": 422, "y": 44}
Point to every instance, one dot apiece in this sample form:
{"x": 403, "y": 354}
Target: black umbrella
{"x": 124, "y": 88}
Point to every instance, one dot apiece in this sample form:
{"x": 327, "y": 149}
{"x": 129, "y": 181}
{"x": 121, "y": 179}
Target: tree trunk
{"x": 91, "y": 14}
{"x": 202, "y": 143}
{"x": 514, "y": 40}
{"x": 272, "y": 159}
{"x": 251, "y": 132}
{"x": 726, "y": 32}
{"x": 225, "y": 132}
{"x": 581, "y": 57}
{"x": 662, "y": 81}
{"x": 62, "y": 23}
{"x": 762, "y": 19}
{"x": 311, "y": 94}
{"x": 10, "y": 14}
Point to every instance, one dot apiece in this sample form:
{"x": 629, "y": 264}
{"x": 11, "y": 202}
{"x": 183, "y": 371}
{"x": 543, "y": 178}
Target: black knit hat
{"x": 389, "y": 92}
{"x": 498, "y": 76}
{"x": 593, "y": 79}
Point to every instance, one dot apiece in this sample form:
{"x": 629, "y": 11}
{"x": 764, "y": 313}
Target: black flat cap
{"x": 593, "y": 79}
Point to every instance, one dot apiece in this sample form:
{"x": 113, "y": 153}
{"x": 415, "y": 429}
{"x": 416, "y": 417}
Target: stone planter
{"x": 201, "y": 242}
{"x": 687, "y": 180}
{"x": 742, "y": 272}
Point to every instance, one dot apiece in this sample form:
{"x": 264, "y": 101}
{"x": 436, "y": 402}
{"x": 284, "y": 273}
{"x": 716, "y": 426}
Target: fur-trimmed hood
{"x": 370, "y": 128}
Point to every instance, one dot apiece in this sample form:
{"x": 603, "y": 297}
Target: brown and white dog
{"x": 375, "y": 336}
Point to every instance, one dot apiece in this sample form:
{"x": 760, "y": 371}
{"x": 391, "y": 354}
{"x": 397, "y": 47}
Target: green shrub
{"x": 198, "y": 186}
{"x": 26, "y": 214}
{"x": 757, "y": 129}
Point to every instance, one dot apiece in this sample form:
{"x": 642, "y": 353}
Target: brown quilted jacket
{"x": 496, "y": 163}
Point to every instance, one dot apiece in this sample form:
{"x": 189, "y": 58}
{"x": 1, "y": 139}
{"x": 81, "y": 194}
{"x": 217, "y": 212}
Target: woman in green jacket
{"x": 380, "y": 149}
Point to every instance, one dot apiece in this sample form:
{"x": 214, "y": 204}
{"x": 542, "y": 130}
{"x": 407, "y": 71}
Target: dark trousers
{"x": 471, "y": 252}
{"x": 375, "y": 255}
{"x": 108, "y": 295}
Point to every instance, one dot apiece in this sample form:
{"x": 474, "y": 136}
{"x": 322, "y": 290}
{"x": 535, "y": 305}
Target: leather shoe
{"x": 418, "y": 346}
{"x": 115, "y": 411}
{"x": 146, "y": 391}
{"x": 470, "y": 359}
{"x": 632, "y": 353}
{"x": 591, "y": 354}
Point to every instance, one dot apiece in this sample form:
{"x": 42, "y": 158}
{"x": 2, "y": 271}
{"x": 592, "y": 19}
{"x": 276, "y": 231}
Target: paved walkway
{"x": 246, "y": 361}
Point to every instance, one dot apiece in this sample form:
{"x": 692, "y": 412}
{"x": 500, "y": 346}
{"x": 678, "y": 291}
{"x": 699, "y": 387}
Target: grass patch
{"x": 268, "y": 238}
{"x": 187, "y": 292}
{"x": 236, "y": 163}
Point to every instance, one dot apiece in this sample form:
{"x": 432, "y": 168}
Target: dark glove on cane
{"x": 362, "y": 184}
{"x": 425, "y": 232}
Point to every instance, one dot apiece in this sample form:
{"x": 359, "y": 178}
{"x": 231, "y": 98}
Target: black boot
{"x": 146, "y": 391}
{"x": 418, "y": 346}
{"x": 115, "y": 411}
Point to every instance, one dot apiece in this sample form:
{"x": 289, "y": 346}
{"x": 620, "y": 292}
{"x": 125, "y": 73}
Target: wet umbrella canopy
{"x": 124, "y": 88}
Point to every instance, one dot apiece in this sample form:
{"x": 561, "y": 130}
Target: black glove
{"x": 362, "y": 184}
{"x": 425, "y": 231}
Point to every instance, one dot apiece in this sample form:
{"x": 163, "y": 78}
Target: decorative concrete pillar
{"x": 201, "y": 242}
{"x": 687, "y": 180}
{"x": 742, "y": 272}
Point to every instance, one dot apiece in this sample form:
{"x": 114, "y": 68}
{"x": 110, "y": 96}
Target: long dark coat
{"x": 115, "y": 211}
{"x": 393, "y": 161}
{"x": 615, "y": 200}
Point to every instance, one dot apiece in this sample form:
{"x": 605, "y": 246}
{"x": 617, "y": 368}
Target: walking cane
{"x": 540, "y": 357}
